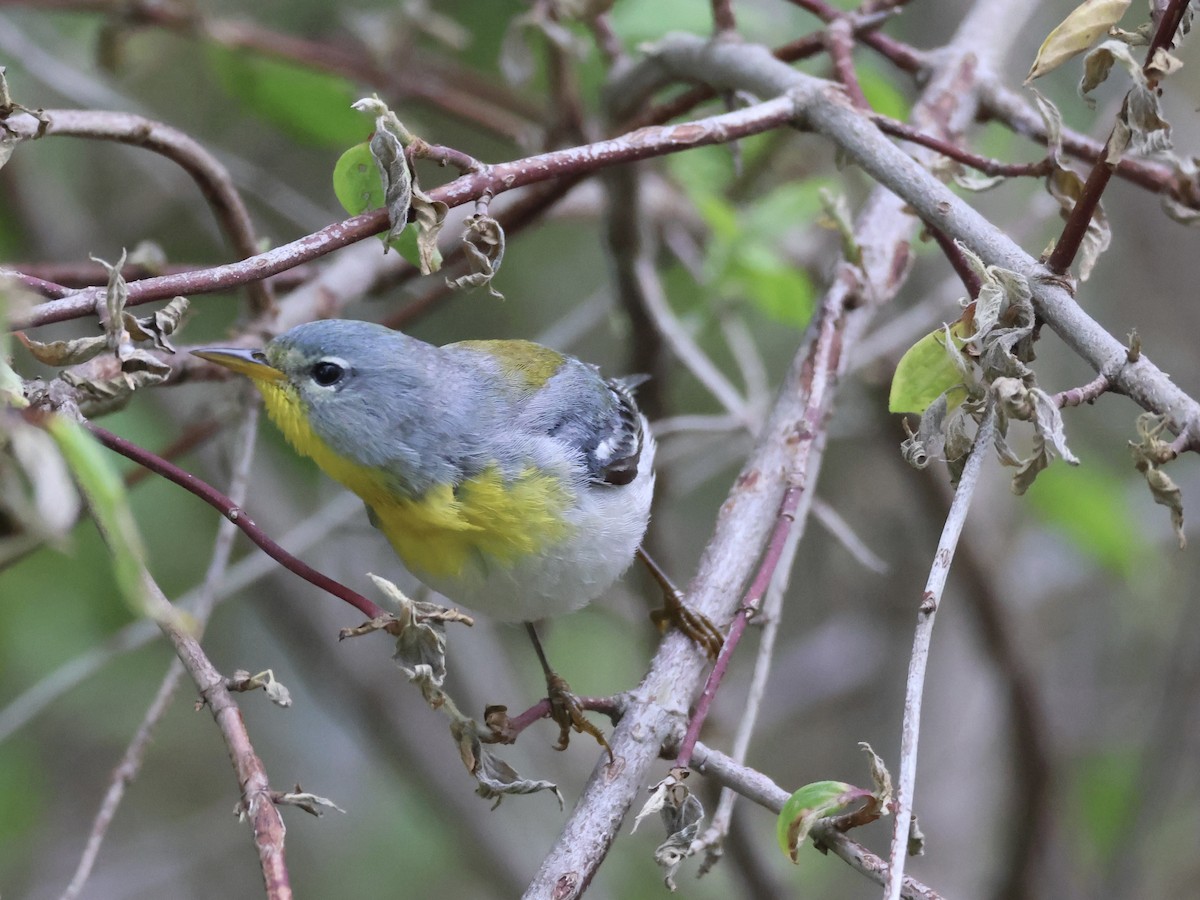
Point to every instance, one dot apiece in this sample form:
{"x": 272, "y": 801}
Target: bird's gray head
{"x": 376, "y": 396}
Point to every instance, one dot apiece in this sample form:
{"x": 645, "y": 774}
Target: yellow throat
{"x": 444, "y": 529}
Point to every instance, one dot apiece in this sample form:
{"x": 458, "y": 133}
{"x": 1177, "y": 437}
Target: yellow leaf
{"x": 1083, "y": 27}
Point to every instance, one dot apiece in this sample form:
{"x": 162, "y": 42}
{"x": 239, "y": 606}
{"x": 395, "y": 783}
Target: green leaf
{"x": 357, "y": 185}
{"x": 1089, "y": 506}
{"x": 109, "y": 505}
{"x": 356, "y": 180}
{"x": 803, "y": 808}
{"x": 310, "y": 106}
{"x": 925, "y": 372}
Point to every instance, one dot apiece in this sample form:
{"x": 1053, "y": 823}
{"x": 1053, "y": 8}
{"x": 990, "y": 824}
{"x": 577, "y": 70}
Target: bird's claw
{"x": 697, "y": 626}
{"x": 567, "y": 712}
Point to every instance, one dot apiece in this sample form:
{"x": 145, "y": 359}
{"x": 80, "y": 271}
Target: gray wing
{"x": 596, "y": 417}
{"x": 615, "y": 457}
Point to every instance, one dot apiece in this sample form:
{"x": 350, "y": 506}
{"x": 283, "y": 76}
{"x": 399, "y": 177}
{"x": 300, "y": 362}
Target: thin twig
{"x": 1009, "y": 107}
{"x": 930, "y": 600}
{"x": 246, "y": 572}
{"x": 235, "y": 514}
{"x": 747, "y": 354}
{"x": 122, "y": 776}
{"x": 685, "y": 348}
{"x": 631, "y": 253}
{"x": 131, "y": 761}
{"x": 952, "y": 151}
{"x": 758, "y": 788}
{"x": 822, "y": 361}
{"x": 958, "y": 261}
{"x": 266, "y": 822}
{"x": 566, "y": 101}
{"x": 714, "y": 836}
{"x": 832, "y": 521}
{"x": 1086, "y": 393}
{"x": 839, "y": 39}
{"x": 900, "y": 54}
{"x": 444, "y": 156}
{"x": 1030, "y": 822}
{"x": 40, "y": 286}
{"x": 793, "y": 51}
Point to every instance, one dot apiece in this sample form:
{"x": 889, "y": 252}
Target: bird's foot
{"x": 567, "y": 712}
{"x": 675, "y": 611}
{"x": 697, "y": 626}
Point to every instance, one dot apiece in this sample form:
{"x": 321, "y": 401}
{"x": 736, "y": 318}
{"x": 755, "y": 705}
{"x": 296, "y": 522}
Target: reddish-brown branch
{"x": 1009, "y": 108}
{"x": 900, "y": 54}
{"x": 192, "y": 437}
{"x": 236, "y": 515}
{"x": 1068, "y": 243}
{"x": 1164, "y": 34}
{"x": 821, "y": 366}
{"x": 607, "y": 706}
{"x": 607, "y": 40}
{"x": 723, "y": 19}
{"x": 968, "y": 276}
{"x": 749, "y": 606}
{"x": 1086, "y": 393}
{"x": 793, "y": 51}
{"x": 75, "y": 274}
{"x": 444, "y": 156}
{"x": 51, "y": 290}
{"x": 950, "y": 150}
{"x": 1067, "y": 246}
{"x": 641, "y": 144}
{"x": 256, "y": 804}
{"x": 839, "y": 39}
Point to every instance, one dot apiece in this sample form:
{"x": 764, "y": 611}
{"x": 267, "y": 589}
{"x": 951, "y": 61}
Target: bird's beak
{"x": 251, "y": 363}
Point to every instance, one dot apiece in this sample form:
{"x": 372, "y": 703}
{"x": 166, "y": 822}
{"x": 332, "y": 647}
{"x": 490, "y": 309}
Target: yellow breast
{"x": 444, "y": 529}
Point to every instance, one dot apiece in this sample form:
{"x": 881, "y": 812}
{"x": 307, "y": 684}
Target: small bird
{"x": 509, "y": 477}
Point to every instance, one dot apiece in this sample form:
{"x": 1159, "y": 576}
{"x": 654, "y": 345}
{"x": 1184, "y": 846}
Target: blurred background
{"x": 1061, "y": 717}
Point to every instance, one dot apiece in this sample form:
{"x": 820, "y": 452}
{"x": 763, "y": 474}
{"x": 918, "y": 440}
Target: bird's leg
{"x": 564, "y": 706}
{"x": 699, "y": 627}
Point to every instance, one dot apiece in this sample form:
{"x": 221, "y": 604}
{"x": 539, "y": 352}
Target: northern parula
{"x": 509, "y": 477}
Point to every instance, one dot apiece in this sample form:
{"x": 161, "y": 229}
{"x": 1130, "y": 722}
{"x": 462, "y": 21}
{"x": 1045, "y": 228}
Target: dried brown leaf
{"x": 483, "y": 244}
{"x": 430, "y": 216}
{"x": 1082, "y": 27}
{"x": 155, "y": 328}
{"x": 65, "y": 353}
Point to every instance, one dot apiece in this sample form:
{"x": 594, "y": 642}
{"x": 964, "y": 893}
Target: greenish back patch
{"x": 530, "y": 365}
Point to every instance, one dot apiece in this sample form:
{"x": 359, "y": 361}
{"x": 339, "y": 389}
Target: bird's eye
{"x": 328, "y": 373}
